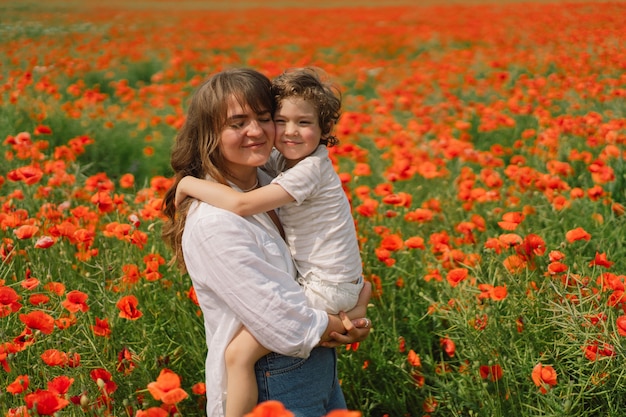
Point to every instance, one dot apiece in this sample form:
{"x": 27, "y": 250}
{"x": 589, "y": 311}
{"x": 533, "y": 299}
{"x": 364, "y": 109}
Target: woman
{"x": 240, "y": 267}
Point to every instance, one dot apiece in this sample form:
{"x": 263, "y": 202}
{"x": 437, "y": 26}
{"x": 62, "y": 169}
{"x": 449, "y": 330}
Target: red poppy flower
{"x": 511, "y": 220}
{"x": 19, "y": 385}
{"x": 26, "y": 231}
{"x": 38, "y": 320}
{"x": 28, "y": 174}
{"x": 493, "y": 372}
{"x": 75, "y": 301}
{"x": 600, "y": 260}
{"x": 621, "y": 325}
{"x": 101, "y": 328}
{"x": 199, "y": 388}
{"x": 38, "y": 299}
{"x": 102, "y": 377}
{"x": 60, "y": 385}
{"x": 167, "y": 388}
{"x": 42, "y": 130}
{"x": 415, "y": 242}
{"x": 9, "y": 301}
{"x": 128, "y": 308}
{"x": 413, "y": 358}
{"x": 448, "y": 346}
{"x": 455, "y": 276}
{"x": 54, "y": 357}
{"x": 343, "y": 413}
{"x": 57, "y": 288}
{"x": 544, "y": 377}
{"x": 392, "y": 242}
{"x": 153, "y": 412}
{"x": 127, "y": 181}
{"x": 46, "y": 402}
{"x": 577, "y": 234}
{"x": 30, "y": 283}
{"x": 270, "y": 408}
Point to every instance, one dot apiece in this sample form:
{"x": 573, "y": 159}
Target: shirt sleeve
{"x": 246, "y": 269}
{"x": 302, "y": 180}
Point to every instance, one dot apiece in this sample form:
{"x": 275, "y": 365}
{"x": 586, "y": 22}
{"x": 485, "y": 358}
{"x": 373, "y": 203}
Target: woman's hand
{"x": 356, "y": 331}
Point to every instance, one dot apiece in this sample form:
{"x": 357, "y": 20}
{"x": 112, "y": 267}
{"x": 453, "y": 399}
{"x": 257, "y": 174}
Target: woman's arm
{"x": 256, "y": 201}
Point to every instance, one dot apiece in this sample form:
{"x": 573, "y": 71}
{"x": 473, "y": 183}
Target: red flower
{"x": 577, "y": 234}
{"x": 28, "y": 174}
{"x": 44, "y": 242}
{"x": 270, "y": 409}
{"x": 46, "y": 402}
{"x": 127, "y": 181}
{"x": 19, "y": 385}
{"x": 38, "y": 320}
{"x": 493, "y": 372}
{"x": 414, "y": 359}
{"x": 199, "y": 388}
{"x": 42, "y": 130}
{"x": 600, "y": 260}
{"x": 392, "y": 242}
{"x": 54, "y": 357}
{"x": 26, "y": 231}
{"x": 101, "y": 328}
{"x": 102, "y": 377}
{"x": 415, "y": 242}
{"x": 167, "y": 388}
{"x": 60, "y": 385}
{"x": 456, "y": 275}
{"x": 75, "y": 301}
{"x": 8, "y": 301}
{"x": 128, "y": 307}
{"x": 153, "y": 412}
{"x": 621, "y": 325}
{"x": 448, "y": 346}
{"x": 544, "y": 377}
{"x": 511, "y": 220}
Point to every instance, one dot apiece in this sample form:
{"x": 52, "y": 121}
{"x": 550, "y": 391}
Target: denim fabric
{"x": 307, "y": 387}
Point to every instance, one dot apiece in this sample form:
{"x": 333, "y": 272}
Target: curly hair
{"x": 310, "y": 84}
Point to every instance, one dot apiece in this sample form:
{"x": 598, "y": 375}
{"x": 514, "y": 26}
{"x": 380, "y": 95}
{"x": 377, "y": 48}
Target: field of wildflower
{"x": 482, "y": 148}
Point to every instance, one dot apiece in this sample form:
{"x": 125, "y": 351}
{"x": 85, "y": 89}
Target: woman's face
{"x": 247, "y": 138}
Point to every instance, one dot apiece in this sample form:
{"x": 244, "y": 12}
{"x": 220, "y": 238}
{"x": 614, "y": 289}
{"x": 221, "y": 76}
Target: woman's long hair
{"x": 196, "y": 150}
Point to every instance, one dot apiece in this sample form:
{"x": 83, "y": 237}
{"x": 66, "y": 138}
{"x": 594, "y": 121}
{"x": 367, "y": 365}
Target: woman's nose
{"x": 254, "y": 128}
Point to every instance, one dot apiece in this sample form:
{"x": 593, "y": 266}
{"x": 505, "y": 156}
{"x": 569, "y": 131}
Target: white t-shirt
{"x": 242, "y": 273}
{"x": 318, "y": 225}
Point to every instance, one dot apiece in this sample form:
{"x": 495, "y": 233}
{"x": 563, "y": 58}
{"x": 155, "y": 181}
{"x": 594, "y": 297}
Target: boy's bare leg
{"x": 242, "y": 391}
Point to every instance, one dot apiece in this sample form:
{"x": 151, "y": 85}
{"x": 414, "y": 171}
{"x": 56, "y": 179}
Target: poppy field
{"x": 481, "y": 146}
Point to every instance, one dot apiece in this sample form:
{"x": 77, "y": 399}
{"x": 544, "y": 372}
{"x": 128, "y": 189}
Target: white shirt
{"x": 319, "y": 226}
{"x": 243, "y": 273}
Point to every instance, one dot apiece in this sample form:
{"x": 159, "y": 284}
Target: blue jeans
{"x": 307, "y": 387}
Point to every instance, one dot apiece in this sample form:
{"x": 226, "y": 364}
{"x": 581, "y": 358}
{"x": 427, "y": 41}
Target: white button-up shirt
{"x": 243, "y": 273}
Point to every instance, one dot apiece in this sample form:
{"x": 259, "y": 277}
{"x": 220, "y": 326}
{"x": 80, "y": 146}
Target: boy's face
{"x": 298, "y": 133}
